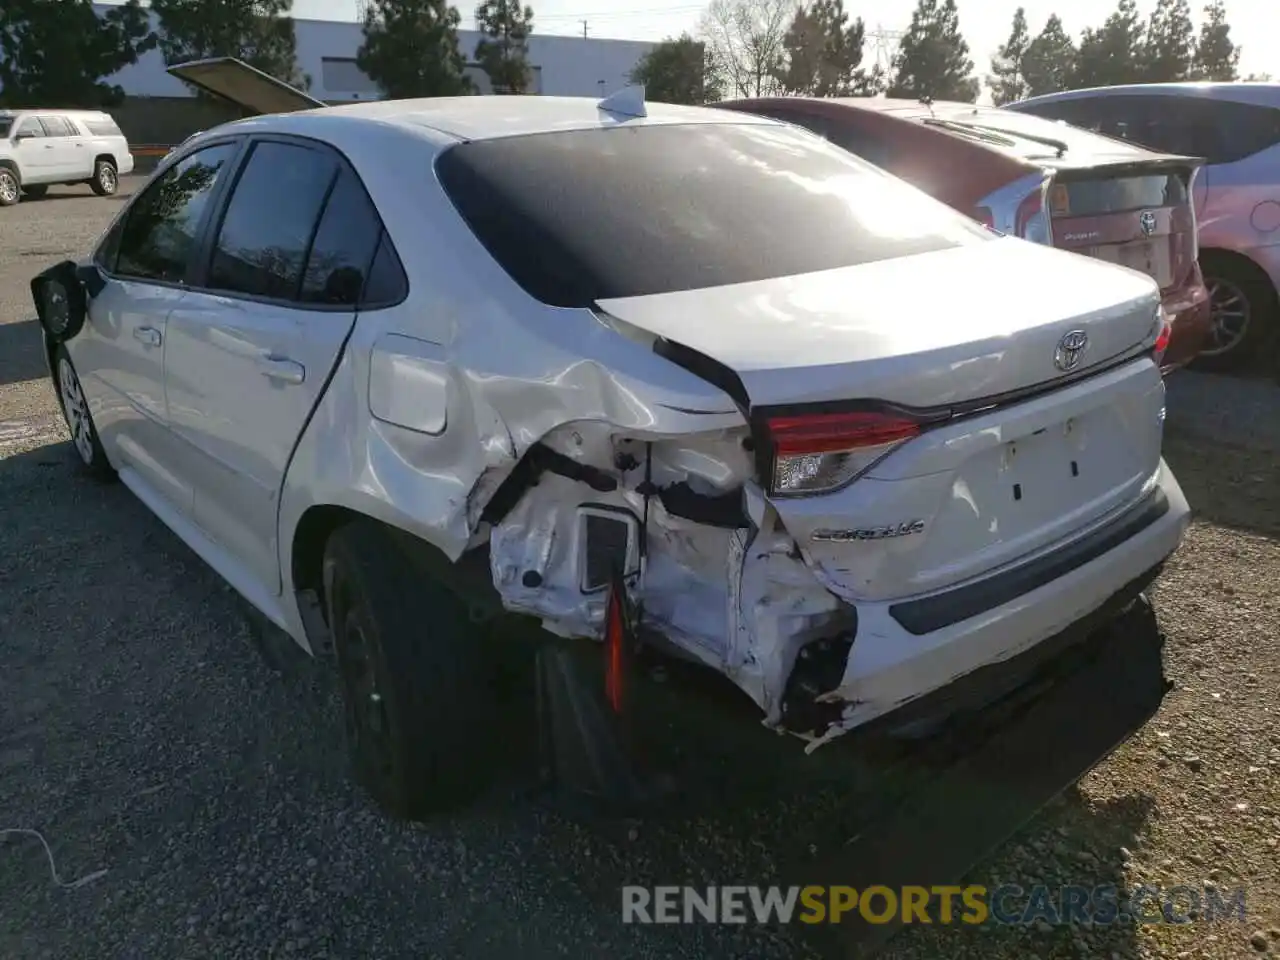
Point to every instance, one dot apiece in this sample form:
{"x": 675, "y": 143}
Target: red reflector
{"x": 830, "y": 432}
{"x": 615, "y": 639}
{"x": 1162, "y": 341}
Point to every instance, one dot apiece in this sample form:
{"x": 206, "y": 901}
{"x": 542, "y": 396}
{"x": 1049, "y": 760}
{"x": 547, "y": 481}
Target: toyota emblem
{"x": 1066, "y": 356}
{"x": 1147, "y": 222}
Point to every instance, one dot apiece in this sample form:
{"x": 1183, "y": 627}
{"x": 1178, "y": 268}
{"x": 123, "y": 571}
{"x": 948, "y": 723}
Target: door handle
{"x": 275, "y": 367}
{"x": 148, "y": 335}
{"x": 48, "y": 146}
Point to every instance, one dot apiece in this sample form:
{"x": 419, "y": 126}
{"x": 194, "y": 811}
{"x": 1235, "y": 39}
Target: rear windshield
{"x": 586, "y": 215}
{"x": 1088, "y": 198}
{"x": 1078, "y": 144}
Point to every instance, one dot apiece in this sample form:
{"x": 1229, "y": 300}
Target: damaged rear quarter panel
{"x": 510, "y": 371}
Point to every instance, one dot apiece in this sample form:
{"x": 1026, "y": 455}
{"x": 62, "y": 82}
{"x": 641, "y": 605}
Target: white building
{"x": 562, "y": 66}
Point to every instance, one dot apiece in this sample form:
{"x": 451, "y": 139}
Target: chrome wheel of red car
{"x": 1231, "y": 312}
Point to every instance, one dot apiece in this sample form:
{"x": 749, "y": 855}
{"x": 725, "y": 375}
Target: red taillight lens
{"x": 820, "y": 452}
{"x": 985, "y": 217}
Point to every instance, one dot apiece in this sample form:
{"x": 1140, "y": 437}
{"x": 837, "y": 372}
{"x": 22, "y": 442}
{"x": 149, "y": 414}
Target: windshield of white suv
{"x": 586, "y": 215}
{"x": 6, "y": 123}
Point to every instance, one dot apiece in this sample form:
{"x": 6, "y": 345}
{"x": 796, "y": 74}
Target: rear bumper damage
{"x": 719, "y": 580}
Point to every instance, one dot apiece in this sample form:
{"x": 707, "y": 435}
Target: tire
{"x": 105, "y": 181}
{"x": 1245, "y": 314}
{"x": 10, "y": 187}
{"x": 35, "y": 191}
{"x": 415, "y": 682}
{"x": 85, "y": 445}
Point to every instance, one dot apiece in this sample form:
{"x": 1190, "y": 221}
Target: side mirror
{"x": 60, "y": 300}
{"x": 19, "y": 137}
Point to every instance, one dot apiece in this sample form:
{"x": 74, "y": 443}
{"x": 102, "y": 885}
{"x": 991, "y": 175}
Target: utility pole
{"x": 584, "y": 29}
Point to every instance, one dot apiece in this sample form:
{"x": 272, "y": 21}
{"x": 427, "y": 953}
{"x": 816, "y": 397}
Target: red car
{"x": 1033, "y": 178}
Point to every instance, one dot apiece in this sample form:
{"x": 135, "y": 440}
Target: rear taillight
{"x": 1031, "y": 222}
{"x": 985, "y": 217}
{"x": 820, "y": 452}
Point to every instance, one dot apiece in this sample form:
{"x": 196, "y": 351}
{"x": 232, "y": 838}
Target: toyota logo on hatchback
{"x": 1066, "y": 356}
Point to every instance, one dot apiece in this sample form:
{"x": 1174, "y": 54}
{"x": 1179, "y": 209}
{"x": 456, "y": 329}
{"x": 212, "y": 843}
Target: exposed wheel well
{"x": 108, "y": 158}
{"x": 13, "y": 167}
{"x": 1241, "y": 260}
{"x": 469, "y": 577}
{"x": 310, "y": 536}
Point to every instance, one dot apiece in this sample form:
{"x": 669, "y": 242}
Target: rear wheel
{"x": 10, "y": 188}
{"x": 415, "y": 683}
{"x": 35, "y": 191}
{"x": 1243, "y": 306}
{"x": 104, "y": 182}
{"x": 75, "y": 410}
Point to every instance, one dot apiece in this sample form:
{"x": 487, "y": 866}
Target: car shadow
{"x": 1229, "y": 484}
{"x": 134, "y": 669}
{"x": 21, "y": 352}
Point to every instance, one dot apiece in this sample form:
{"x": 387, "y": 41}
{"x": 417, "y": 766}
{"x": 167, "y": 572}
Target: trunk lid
{"x": 921, "y": 331}
{"x": 1136, "y": 213}
{"x": 1040, "y": 453}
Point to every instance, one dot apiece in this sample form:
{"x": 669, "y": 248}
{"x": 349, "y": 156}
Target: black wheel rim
{"x": 365, "y": 708}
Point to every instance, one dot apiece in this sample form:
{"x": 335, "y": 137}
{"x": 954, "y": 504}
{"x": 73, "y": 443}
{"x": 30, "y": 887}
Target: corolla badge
{"x": 903, "y": 529}
{"x": 1147, "y": 223}
{"x": 1066, "y": 355}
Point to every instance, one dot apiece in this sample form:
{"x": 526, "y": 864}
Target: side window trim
{"x": 215, "y": 199}
{"x": 197, "y": 279}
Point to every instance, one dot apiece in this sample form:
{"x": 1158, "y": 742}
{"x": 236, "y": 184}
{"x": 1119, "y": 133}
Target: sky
{"x": 1255, "y": 24}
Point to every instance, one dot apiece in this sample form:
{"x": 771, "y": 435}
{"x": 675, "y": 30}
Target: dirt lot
{"x": 140, "y": 733}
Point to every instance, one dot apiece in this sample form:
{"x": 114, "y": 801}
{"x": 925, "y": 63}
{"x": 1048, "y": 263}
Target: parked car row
{"x": 1235, "y": 127}
{"x": 697, "y": 381}
{"x": 40, "y": 148}
{"x": 1034, "y": 179}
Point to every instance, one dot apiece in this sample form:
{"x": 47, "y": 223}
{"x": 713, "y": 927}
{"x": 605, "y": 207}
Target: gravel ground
{"x": 141, "y": 734}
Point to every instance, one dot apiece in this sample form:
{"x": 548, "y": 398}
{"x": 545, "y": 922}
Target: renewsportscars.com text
{"x": 1009, "y": 904}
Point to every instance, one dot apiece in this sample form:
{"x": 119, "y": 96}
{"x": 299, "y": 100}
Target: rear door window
{"x": 57, "y": 127}
{"x": 270, "y": 220}
{"x": 586, "y": 215}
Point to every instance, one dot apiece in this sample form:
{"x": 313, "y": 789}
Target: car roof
{"x": 490, "y": 117}
{"x": 1262, "y": 93}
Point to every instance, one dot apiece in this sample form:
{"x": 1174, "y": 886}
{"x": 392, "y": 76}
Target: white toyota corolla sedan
{"x": 378, "y": 363}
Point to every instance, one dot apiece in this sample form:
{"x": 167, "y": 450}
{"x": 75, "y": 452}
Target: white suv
{"x": 43, "y": 147}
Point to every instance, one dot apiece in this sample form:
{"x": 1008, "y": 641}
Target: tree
{"x": 933, "y": 61}
{"x": 1113, "y": 53}
{"x": 1050, "y": 61}
{"x": 410, "y": 49}
{"x": 57, "y": 53}
{"x": 259, "y": 32}
{"x": 1008, "y": 81}
{"x": 677, "y": 71}
{"x": 503, "y": 49}
{"x": 744, "y": 41}
{"x": 1216, "y": 56}
{"x": 1169, "y": 47}
{"x": 823, "y": 53}
{"x": 1258, "y": 78}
